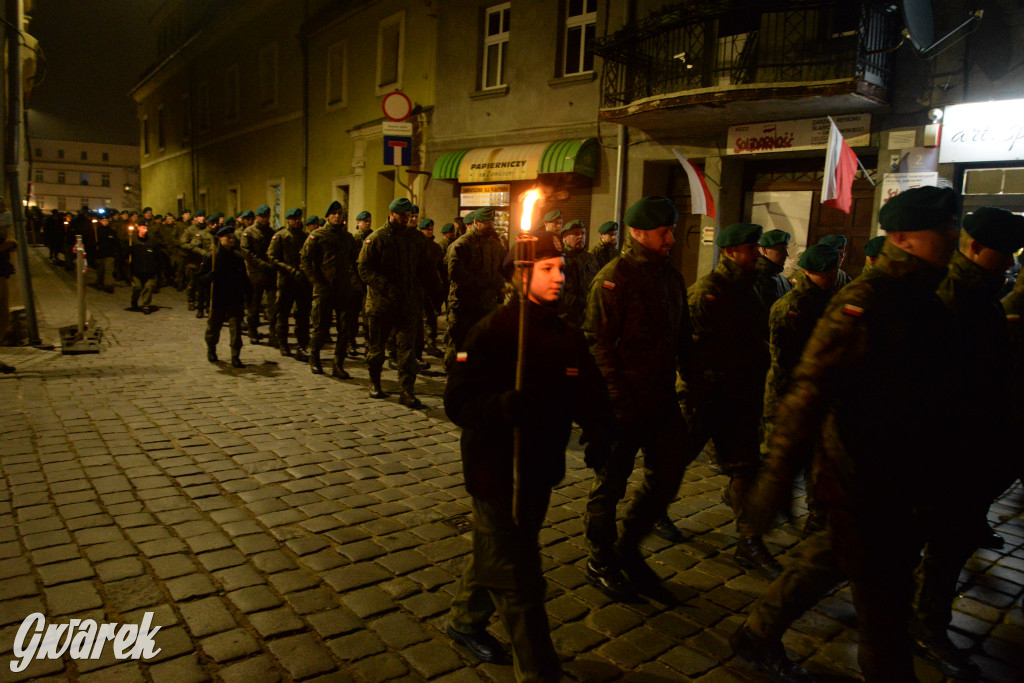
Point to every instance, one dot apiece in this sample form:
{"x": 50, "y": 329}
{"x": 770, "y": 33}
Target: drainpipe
{"x": 620, "y": 180}
{"x": 305, "y": 106}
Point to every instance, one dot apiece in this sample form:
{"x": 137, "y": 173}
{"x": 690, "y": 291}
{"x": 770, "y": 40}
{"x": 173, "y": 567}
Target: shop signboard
{"x": 982, "y": 131}
{"x": 497, "y": 164}
{"x": 485, "y": 195}
{"x": 894, "y": 183}
{"x": 797, "y": 135}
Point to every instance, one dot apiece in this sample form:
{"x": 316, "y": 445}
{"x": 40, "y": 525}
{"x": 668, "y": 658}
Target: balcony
{"x": 705, "y": 65}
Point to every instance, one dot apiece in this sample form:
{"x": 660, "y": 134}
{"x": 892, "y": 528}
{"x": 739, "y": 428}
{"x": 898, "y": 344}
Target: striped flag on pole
{"x": 699, "y": 193}
{"x": 840, "y": 167}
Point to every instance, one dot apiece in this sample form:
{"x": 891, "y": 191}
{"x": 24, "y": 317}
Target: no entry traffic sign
{"x": 397, "y": 106}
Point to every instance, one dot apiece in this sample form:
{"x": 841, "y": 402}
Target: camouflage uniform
{"x": 578, "y": 275}
{"x": 357, "y": 304}
{"x": 177, "y": 255}
{"x": 201, "y": 246}
{"x": 293, "y": 289}
{"x": 192, "y": 261}
{"x": 602, "y": 254}
{"x": 638, "y": 328}
{"x": 327, "y": 258}
{"x": 432, "y": 304}
{"x": 770, "y": 284}
{"x": 876, "y": 358}
{"x": 730, "y": 329}
{"x": 475, "y": 285}
{"x": 255, "y": 243}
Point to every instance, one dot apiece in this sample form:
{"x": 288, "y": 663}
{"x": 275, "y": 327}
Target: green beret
{"x": 739, "y": 233}
{"x": 294, "y": 212}
{"x": 199, "y": 213}
{"x": 214, "y": 217}
{"x": 313, "y": 220}
{"x": 247, "y": 214}
{"x": 837, "y": 241}
{"x": 919, "y": 208}
{"x": 607, "y": 227}
{"x": 226, "y": 229}
{"x": 363, "y": 216}
{"x": 447, "y": 228}
{"x": 651, "y": 212}
{"x": 572, "y": 225}
{"x": 426, "y": 223}
{"x": 400, "y": 205}
{"x": 820, "y": 258}
{"x": 415, "y": 208}
{"x": 552, "y": 216}
{"x": 335, "y": 207}
{"x": 996, "y": 229}
{"x": 483, "y": 214}
{"x": 468, "y": 218}
{"x": 874, "y": 246}
{"x": 774, "y": 238}
{"x": 148, "y": 208}
{"x": 262, "y": 210}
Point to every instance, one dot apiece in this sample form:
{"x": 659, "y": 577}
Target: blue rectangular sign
{"x": 397, "y": 150}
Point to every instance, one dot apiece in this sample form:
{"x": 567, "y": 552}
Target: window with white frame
{"x": 390, "y": 52}
{"x": 578, "y": 40}
{"x": 268, "y": 76}
{"x": 337, "y": 66}
{"x": 231, "y": 94}
{"x": 496, "y": 21}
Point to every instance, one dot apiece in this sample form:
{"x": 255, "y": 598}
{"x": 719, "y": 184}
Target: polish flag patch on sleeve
{"x": 792, "y": 314}
{"x": 366, "y": 241}
{"x": 709, "y": 297}
{"x": 572, "y": 372}
{"x": 461, "y": 357}
{"x": 1013, "y": 317}
{"x": 608, "y": 284}
{"x": 855, "y": 311}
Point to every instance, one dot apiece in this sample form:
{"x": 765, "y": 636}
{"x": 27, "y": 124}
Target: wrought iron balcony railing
{"x": 722, "y": 45}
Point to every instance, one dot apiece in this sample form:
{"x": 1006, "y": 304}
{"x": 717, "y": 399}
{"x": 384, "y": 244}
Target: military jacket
{"x": 185, "y": 242}
{"x": 202, "y": 244}
{"x": 730, "y": 329}
{"x": 255, "y": 243}
{"x": 873, "y": 384}
{"x": 770, "y": 283}
{"x": 790, "y": 324}
{"x": 143, "y": 258}
{"x": 474, "y": 271}
{"x": 639, "y": 332}
{"x": 285, "y": 252}
{"x": 1013, "y": 306}
{"x": 107, "y": 244}
{"x": 393, "y": 266}
{"x": 578, "y": 274}
{"x": 328, "y": 260}
{"x": 435, "y": 259}
{"x": 602, "y": 253}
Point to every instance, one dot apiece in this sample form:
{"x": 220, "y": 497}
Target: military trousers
{"x": 262, "y": 290}
{"x": 461, "y": 319}
{"x": 355, "y": 313}
{"x": 219, "y": 315}
{"x": 142, "y": 290}
{"x": 731, "y": 418}
{"x": 504, "y": 574}
{"x": 380, "y": 329}
{"x": 191, "y": 283}
{"x": 328, "y": 308}
{"x": 300, "y": 296}
{"x": 104, "y": 267}
{"x": 178, "y": 264}
{"x": 664, "y": 444}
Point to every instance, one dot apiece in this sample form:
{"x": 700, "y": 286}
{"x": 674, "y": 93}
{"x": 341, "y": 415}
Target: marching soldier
{"x": 578, "y": 273}
{"x": 608, "y": 248}
{"x": 201, "y": 246}
{"x": 107, "y": 249}
{"x": 177, "y": 254}
{"x": 427, "y": 340}
{"x": 143, "y": 264}
{"x": 840, "y": 243}
{"x": 392, "y": 265}
{"x": 871, "y": 251}
{"x": 553, "y": 221}
{"x": 224, "y": 270}
{"x": 262, "y": 275}
{"x": 327, "y": 259}
{"x": 293, "y": 289}
{"x": 770, "y": 283}
{"x": 192, "y": 262}
{"x": 476, "y": 285}
{"x": 447, "y": 239}
{"x": 364, "y": 226}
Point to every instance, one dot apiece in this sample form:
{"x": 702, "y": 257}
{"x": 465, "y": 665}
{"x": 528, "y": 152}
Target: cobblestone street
{"x": 284, "y": 526}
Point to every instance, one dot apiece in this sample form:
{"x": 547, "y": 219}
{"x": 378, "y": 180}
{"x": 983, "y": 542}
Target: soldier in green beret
{"x": 434, "y": 253}
{"x": 553, "y": 221}
{"x": 841, "y": 243}
{"x": 638, "y": 328}
{"x": 730, "y": 335}
{"x": 393, "y": 266}
{"x": 476, "y": 286}
{"x": 201, "y": 246}
{"x": 607, "y": 248}
{"x": 293, "y": 288}
{"x": 970, "y": 291}
{"x": 224, "y": 272}
{"x": 771, "y": 285}
{"x": 255, "y": 242}
{"x": 192, "y": 260}
{"x": 871, "y": 251}
{"x": 364, "y": 226}
{"x": 877, "y": 356}
{"x": 447, "y": 238}
{"x": 579, "y": 271}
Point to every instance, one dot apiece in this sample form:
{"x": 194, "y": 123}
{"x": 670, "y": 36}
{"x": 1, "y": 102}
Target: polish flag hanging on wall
{"x": 699, "y": 193}
{"x": 840, "y": 167}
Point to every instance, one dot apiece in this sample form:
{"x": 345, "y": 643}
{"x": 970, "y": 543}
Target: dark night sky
{"x": 95, "y": 52}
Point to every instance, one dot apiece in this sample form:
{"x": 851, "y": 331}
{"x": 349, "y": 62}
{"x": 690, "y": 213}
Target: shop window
{"x": 994, "y": 181}
{"x": 390, "y": 49}
{"x": 337, "y": 66}
{"x": 268, "y": 76}
{"x": 496, "y": 25}
{"x": 578, "y": 38}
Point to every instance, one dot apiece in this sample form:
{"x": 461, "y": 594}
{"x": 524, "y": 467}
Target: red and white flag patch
{"x": 608, "y": 284}
{"x": 1013, "y": 317}
{"x": 461, "y": 357}
{"x": 709, "y": 297}
{"x": 855, "y": 311}
{"x": 572, "y": 372}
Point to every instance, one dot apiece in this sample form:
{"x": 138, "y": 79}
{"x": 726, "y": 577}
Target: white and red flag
{"x": 700, "y": 195}
{"x": 840, "y": 167}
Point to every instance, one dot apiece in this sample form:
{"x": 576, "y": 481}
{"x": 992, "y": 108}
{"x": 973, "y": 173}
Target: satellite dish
{"x": 917, "y": 15}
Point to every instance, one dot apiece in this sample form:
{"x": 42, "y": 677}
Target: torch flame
{"x": 529, "y": 199}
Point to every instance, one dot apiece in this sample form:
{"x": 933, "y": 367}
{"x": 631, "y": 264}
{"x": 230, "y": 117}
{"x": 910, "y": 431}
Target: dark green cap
{"x": 363, "y": 216}
{"x": 837, "y": 241}
{"x": 819, "y": 258}
{"x": 426, "y": 223}
{"x": 447, "y": 228}
{"x": 650, "y": 213}
{"x": 919, "y": 208}
{"x": 874, "y": 246}
{"x": 313, "y": 220}
{"x": 484, "y": 214}
{"x": 415, "y": 208}
{"x": 247, "y": 214}
{"x": 262, "y": 210}
{"x": 573, "y": 225}
{"x": 294, "y": 212}
{"x": 335, "y": 207}
{"x": 400, "y": 205}
{"x": 739, "y": 233}
{"x": 607, "y": 227}
{"x": 552, "y": 216}
{"x": 468, "y": 218}
{"x": 226, "y": 229}
{"x": 996, "y": 229}
{"x": 774, "y": 238}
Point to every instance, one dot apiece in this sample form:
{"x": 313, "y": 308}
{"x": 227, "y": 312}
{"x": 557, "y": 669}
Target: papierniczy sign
{"x": 982, "y": 131}
{"x": 81, "y": 639}
{"x": 801, "y": 134}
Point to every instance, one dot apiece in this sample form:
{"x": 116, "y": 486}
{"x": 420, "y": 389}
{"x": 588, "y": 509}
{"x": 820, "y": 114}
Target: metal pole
{"x": 15, "y": 16}
{"x": 524, "y": 262}
{"x": 80, "y": 270}
{"x": 620, "y": 178}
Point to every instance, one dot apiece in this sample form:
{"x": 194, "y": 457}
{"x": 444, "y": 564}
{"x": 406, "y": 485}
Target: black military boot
{"x": 609, "y": 579}
{"x": 769, "y": 657}
{"x": 314, "y": 362}
{"x": 751, "y": 554}
{"x": 285, "y": 349}
{"x": 664, "y": 528}
{"x": 409, "y": 400}
{"x": 211, "y": 354}
{"x": 191, "y": 305}
{"x": 935, "y": 645}
{"x": 375, "y": 390}
{"x": 338, "y": 370}
{"x": 301, "y": 355}
{"x": 200, "y": 313}
{"x": 236, "y": 362}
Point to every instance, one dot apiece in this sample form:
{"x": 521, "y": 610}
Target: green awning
{"x": 519, "y": 162}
